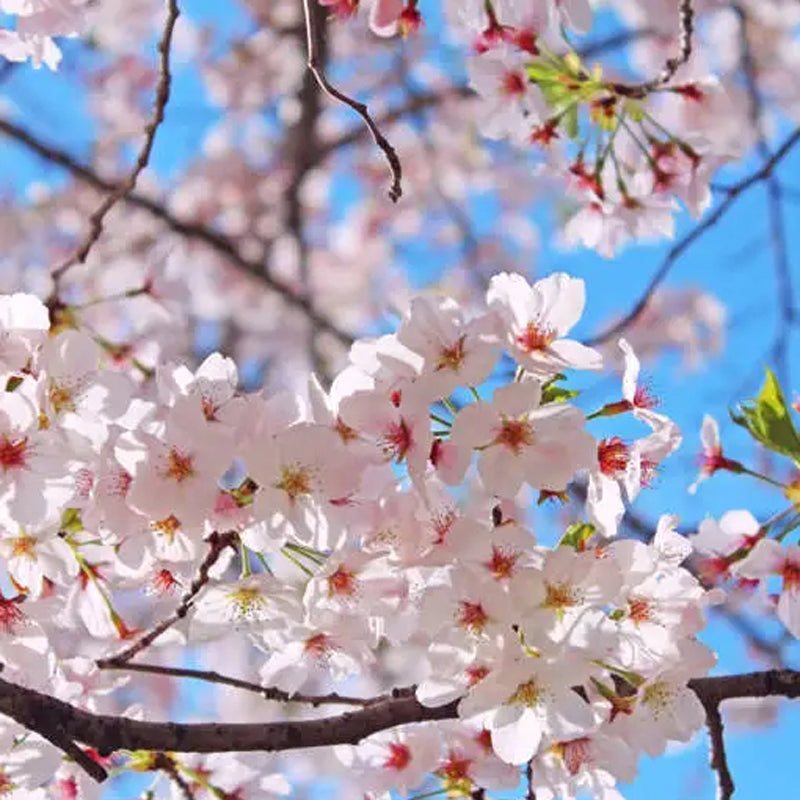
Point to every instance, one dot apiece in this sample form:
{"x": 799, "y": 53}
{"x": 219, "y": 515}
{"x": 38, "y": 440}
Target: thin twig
{"x": 218, "y": 242}
{"x": 396, "y": 189}
{"x": 218, "y": 542}
{"x": 530, "y": 794}
{"x": 267, "y": 692}
{"x": 777, "y": 230}
{"x": 167, "y": 765}
{"x": 672, "y": 65}
{"x": 717, "y": 759}
{"x": 680, "y": 247}
{"x": 162, "y": 98}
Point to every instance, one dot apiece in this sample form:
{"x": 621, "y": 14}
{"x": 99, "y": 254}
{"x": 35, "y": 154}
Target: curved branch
{"x": 162, "y": 98}
{"x": 681, "y": 246}
{"x": 59, "y": 721}
{"x": 217, "y": 543}
{"x": 52, "y": 717}
{"x": 266, "y": 692}
{"x": 312, "y": 38}
{"x": 218, "y": 242}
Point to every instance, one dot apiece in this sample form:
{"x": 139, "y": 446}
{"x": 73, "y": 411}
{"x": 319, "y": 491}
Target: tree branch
{"x": 218, "y": 542}
{"x": 162, "y": 98}
{"x": 266, "y": 692}
{"x": 677, "y": 250}
{"x": 396, "y": 189}
{"x": 672, "y": 65}
{"x": 163, "y": 762}
{"x": 221, "y": 244}
{"x": 718, "y": 760}
{"x": 712, "y": 691}
{"x": 59, "y": 721}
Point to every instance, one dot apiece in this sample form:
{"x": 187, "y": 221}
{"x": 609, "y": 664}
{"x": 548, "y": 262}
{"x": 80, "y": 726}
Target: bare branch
{"x": 221, "y": 244}
{"x": 54, "y": 718}
{"x": 672, "y": 65}
{"x": 267, "y": 692}
{"x": 162, "y": 98}
{"x": 677, "y": 250}
{"x": 777, "y": 231}
{"x": 59, "y": 721}
{"x": 218, "y": 542}
{"x": 718, "y": 760}
{"x": 396, "y": 189}
{"x": 163, "y": 762}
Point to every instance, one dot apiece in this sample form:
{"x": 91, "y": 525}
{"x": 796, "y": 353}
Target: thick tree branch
{"x": 56, "y": 719}
{"x": 162, "y": 98}
{"x": 59, "y": 721}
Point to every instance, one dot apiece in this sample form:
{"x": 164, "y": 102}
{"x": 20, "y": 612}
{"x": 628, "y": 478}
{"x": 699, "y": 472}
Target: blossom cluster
{"x": 399, "y": 495}
{"x": 652, "y": 142}
{"x": 37, "y": 22}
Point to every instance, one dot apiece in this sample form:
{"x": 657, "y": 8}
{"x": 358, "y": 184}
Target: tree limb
{"x": 59, "y": 721}
{"x": 218, "y": 242}
{"x": 162, "y": 98}
{"x": 266, "y": 692}
{"x": 396, "y": 189}
{"x": 218, "y": 542}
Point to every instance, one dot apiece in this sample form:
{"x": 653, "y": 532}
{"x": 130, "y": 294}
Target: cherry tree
{"x": 308, "y": 417}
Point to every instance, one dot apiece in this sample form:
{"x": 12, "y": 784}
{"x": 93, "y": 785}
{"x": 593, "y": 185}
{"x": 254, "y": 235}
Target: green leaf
{"x": 557, "y": 394}
{"x": 13, "y": 382}
{"x": 635, "y": 110}
{"x": 71, "y": 521}
{"x": 767, "y": 419}
{"x": 571, "y": 121}
{"x": 577, "y": 535}
{"x": 542, "y": 71}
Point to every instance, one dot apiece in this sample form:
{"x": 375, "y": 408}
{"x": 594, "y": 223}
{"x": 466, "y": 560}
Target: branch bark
{"x": 162, "y": 98}
{"x": 316, "y": 67}
{"x": 61, "y": 722}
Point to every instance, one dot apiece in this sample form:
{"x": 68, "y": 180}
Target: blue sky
{"x": 733, "y": 260}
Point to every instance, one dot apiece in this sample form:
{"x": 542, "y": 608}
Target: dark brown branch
{"x": 162, "y": 98}
{"x": 314, "y": 64}
{"x": 218, "y": 542}
{"x": 163, "y": 762}
{"x": 718, "y": 760}
{"x": 107, "y": 734}
{"x": 59, "y": 721}
{"x": 712, "y": 691}
{"x": 221, "y": 244}
{"x": 672, "y": 65}
{"x": 677, "y": 250}
{"x": 267, "y": 692}
{"x": 769, "y": 683}
{"x": 529, "y": 792}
